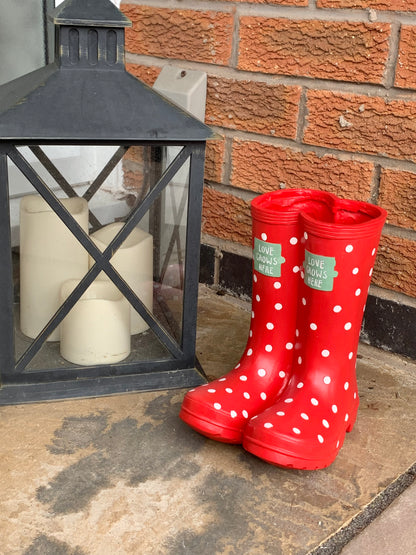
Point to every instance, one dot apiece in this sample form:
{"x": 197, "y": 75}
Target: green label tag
{"x": 319, "y": 271}
{"x": 268, "y": 258}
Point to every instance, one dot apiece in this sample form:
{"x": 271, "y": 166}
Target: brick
{"x": 253, "y": 106}
{"x": 274, "y": 2}
{"x": 226, "y": 216}
{"x": 200, "y": 36}
{"x": 359, "y": 123}
{"x": 398, "y": 197}
{"x": 214, "y": 160}
{"x": 393, "y": 5}
{"x": 147, "y": 74}
{"x": 262, "y": 167}
{"x": 337, "y": 50}
{"x": 406, "y": 63}
{"x": 395, "y": 265}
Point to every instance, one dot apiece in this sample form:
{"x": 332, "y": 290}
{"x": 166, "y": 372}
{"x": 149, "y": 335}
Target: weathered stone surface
{"x": 124, "y": 475}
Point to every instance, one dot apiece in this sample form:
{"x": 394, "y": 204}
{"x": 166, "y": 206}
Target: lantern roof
{"x": 89, "y": 13}
{"x": 86, "y": 95}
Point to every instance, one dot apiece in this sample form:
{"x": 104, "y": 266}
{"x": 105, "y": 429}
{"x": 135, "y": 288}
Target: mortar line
{"x": 310, "y": 12}
{"x": 393, "y": 56}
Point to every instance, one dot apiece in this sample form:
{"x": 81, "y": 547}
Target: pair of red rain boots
{"x": 293, "y": 395}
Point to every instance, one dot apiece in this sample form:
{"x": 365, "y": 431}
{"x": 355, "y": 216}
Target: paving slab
{"x": 394, "y": 531}
{"x": 123, "y": 475}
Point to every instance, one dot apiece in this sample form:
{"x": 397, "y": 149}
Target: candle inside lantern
{"x": 97, "y": 328}
{"x": 134, "y": 262}
{"x": 49, "y": 255}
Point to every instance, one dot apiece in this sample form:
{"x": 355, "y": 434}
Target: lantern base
{"x": 14, "y": 394}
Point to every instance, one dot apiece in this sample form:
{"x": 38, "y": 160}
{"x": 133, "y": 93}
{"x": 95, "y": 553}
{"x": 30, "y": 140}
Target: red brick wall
{"x": 305, "y": 93}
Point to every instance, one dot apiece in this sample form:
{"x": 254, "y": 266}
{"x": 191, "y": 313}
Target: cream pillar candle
{"x": 134, "y": 262}
{"x": 49, "y": 255}
{"x": 97, "y": 328}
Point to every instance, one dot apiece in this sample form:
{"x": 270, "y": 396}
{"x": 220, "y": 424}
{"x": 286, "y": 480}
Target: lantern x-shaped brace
{"x": 102, "y": 259}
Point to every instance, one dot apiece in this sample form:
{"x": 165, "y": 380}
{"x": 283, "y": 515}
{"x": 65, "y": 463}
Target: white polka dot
{"x": 233, "y": 414}
{"x": 313, "y": 326}
{"x": 263, "y": 395}
{"x": 258, "y": 298}
{"x": 314, "y": 402}
{"x": 305, "y": 235}
{"x": 303, "y": 301}
{"x": 349, "y": 248}
{"x": 296, "y": 269}
{"x": 355, "y": 271}
{"x": 337, "y": 308}
{"x": 289, "y": 346}
{"x": 261, "y": 372}
{"x": 350, "y": 355}
{"x": 337, "y": 444}
{"x": 327, "y": 380}
{"x": 268, "y": 425}
{"x": 304, "y": 416}
{"x": 297, "y": 333}
{"x": 299, "y": 360}
{"x": 296, "y": 431}
{"x": 251, "y": 333}
{"x": 373, "y": 252}
{"x": 293, "y": 240}
{"x": 334, "y": 409}
{"x": 325, "y": 353}
{"x": 246, "y": 395}
{"x": 282, "y": 374}
{"x": 347, "y": 417}
{"x": 346, "y": 386}
{"x": 278, "y": 306}
{"x": 245, "y": 414}
{"x": 300, "y": 385}
{"x": 269, "y": 326}
{"x": 224, "y": 379}
{"x": 370, "y": 273}
{"x": 325, "y": 423}
{"x": 264, "y": 236}
{"x": 348, "y": 326}
{"x": 320, "y": 438}
{"x": 357, "y": 292}
{"x": 255, "y": 278}
{"x": 355, "y": 394}
{"x": 249, "y": 352}
{"x": 243, "y": 378}
{"x": 280, "y": 413}
{"x": 217, "y": 406}
{"x": 289, "y": 400}
{"x": 277, "y": 285}
{"x": 228, "y": 390}
{"x": 252, "y": 314}
{"x": 268, "y": 348}
{"x": 211, "y": 390}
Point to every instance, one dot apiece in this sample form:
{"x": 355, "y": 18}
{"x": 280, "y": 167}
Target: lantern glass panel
{"x": 106, "y": 190}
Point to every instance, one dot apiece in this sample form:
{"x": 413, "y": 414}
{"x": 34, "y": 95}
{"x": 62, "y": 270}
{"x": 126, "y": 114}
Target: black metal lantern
{"x": 69, "y": 293}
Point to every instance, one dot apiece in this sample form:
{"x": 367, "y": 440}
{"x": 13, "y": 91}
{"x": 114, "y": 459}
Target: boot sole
{"x": 224, "y": 434}
{"x": 285, "y": 460}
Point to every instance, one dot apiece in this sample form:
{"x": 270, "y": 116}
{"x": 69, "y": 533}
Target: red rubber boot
{"x": 221, "y": 409}
{"x": 305, "y": 429}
